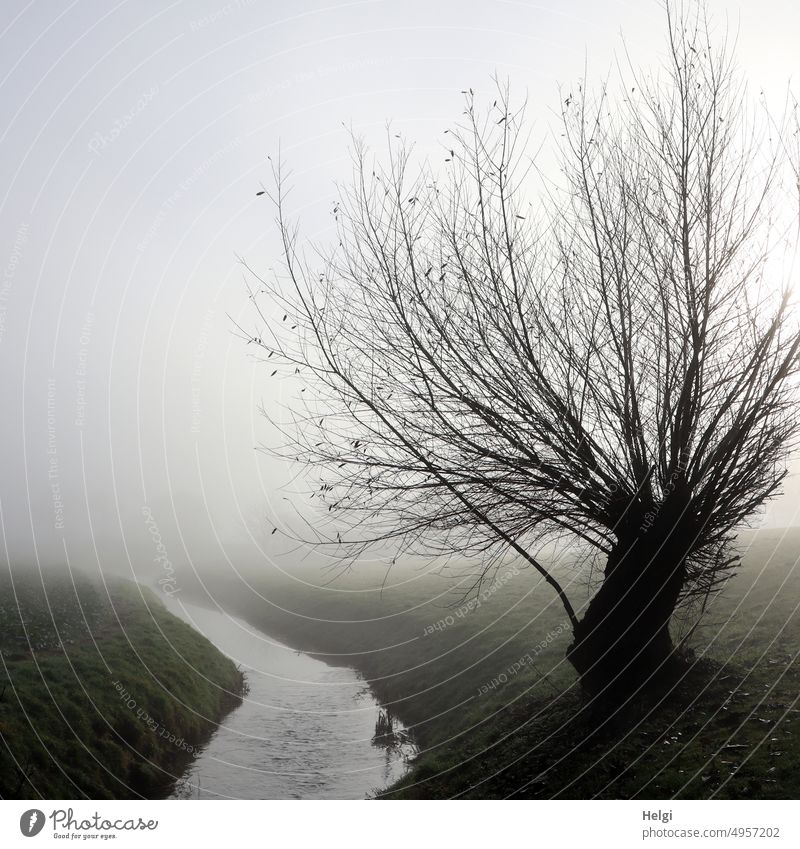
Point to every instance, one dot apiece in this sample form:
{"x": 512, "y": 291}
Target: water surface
{"x": 304, "y": 731}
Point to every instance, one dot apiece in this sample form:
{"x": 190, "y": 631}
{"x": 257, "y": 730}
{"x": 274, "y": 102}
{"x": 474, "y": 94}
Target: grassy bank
{"x": 103, "y": 693}
{"x": 717, "y": 732}
{"x": 492, "y": 703}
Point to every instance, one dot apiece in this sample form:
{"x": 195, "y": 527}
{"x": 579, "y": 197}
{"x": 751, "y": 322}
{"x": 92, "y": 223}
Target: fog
{"x": 135, "y": 140}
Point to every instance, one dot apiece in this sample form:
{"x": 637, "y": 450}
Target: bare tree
{"x": 614, "y": 365}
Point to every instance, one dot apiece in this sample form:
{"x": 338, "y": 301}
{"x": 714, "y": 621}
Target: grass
{"x": 712, "y": 733}
{"x": 494, "y": 707}
{"x": 103, "y": 693}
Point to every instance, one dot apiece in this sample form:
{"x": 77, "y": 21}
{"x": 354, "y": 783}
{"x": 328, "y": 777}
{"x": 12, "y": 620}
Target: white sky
{"x": 134, "y": 140}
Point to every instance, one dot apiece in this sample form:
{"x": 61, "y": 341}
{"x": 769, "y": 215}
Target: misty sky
{"x": 135, "y": 137}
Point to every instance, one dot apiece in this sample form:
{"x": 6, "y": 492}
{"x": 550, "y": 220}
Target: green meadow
{"x": 103, "y": 693}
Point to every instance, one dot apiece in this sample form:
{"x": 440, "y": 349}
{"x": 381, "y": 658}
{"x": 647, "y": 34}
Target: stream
{"x": 304, "y": 731}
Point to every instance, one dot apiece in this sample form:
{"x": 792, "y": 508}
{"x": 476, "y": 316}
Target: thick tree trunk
{"x": 623, "y": 643}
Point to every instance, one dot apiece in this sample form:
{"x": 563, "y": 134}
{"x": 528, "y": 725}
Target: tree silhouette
{"x": 613, "y": 364}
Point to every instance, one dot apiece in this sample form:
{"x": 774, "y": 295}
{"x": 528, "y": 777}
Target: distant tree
{"x": 614, "y": 365}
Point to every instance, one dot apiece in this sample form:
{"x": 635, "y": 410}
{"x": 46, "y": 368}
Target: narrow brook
{"x": 304, "y": 731}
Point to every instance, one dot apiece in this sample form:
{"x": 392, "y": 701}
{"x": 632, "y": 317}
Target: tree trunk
{"x": 623, "y": 643}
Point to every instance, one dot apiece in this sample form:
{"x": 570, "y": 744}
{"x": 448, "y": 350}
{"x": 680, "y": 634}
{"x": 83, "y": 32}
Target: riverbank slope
{"x": 103, "y": 693}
